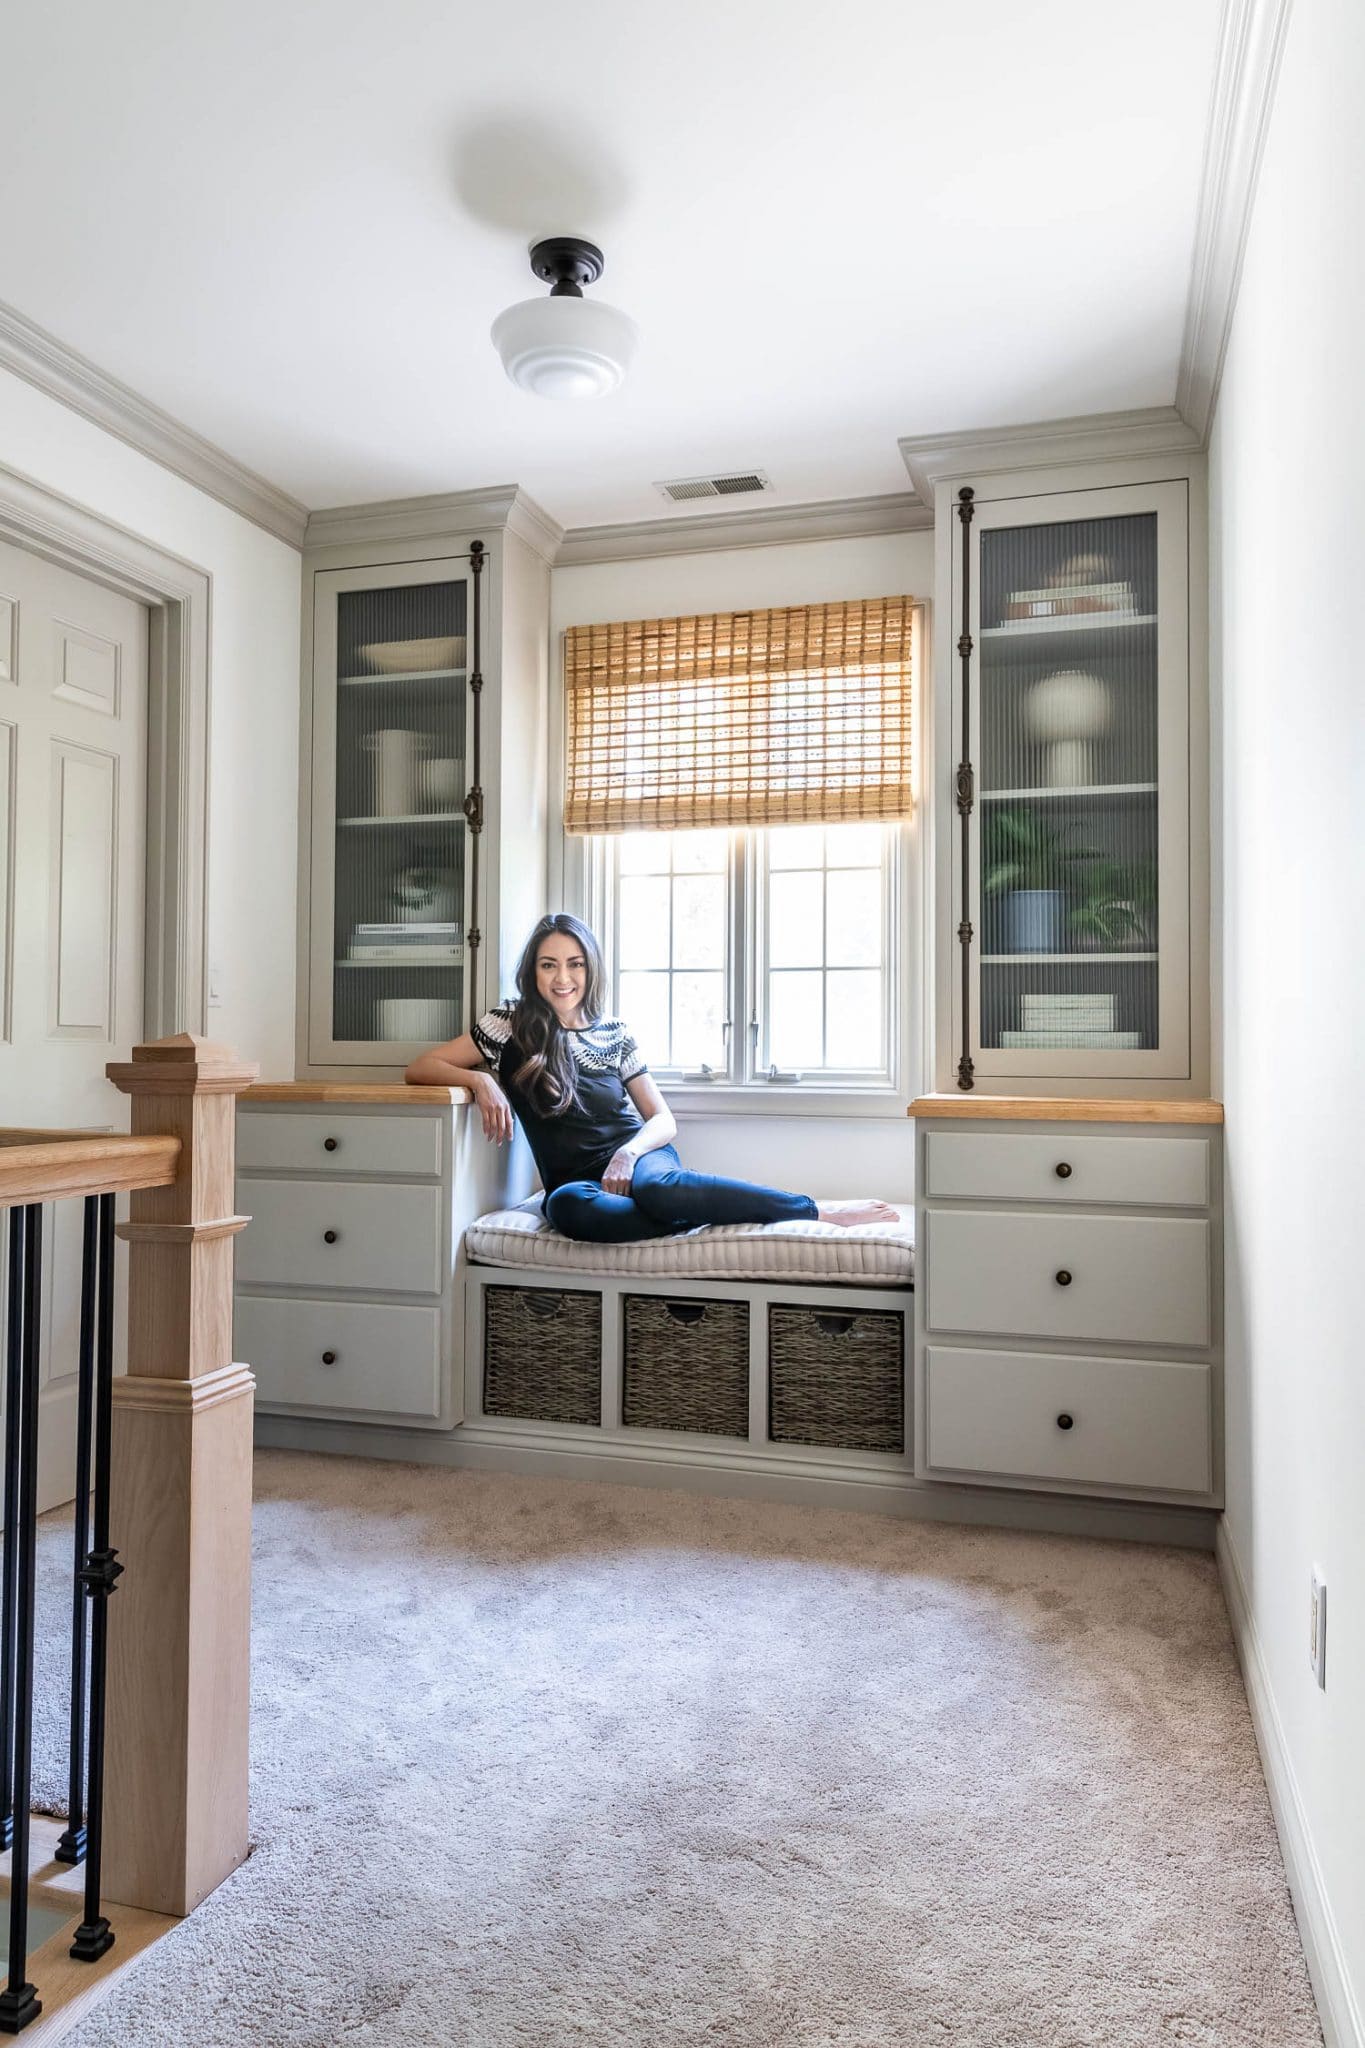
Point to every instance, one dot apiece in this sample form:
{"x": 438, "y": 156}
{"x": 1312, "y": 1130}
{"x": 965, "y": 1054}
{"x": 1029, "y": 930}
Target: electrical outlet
{"x": 1317, "y": 1634}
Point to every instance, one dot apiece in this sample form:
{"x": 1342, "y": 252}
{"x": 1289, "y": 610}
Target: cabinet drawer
{"x": 378, "y": 1358}
{"x": 285, "y": 1141}
{"x": 1027, "y": 1167}
{"x": 387, "y": 1240}
{"x": 1129, "y": 1279}
{"x": 1135, "y": 1422}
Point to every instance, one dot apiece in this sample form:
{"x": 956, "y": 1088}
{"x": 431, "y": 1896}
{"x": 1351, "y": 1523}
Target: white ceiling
{"x": 290, "y": 223}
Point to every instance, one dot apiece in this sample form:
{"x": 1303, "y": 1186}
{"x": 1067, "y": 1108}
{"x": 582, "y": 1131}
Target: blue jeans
{"x": 664, "y": 1197}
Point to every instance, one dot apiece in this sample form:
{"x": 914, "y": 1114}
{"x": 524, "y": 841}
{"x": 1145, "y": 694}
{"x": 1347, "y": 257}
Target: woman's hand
{"x": 620, "y": 1172}
{"x": 494, "y": 1108}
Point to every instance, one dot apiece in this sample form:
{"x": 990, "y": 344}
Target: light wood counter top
{"x": 1062, "y": 1109}
{"x": 351, "y": 1091}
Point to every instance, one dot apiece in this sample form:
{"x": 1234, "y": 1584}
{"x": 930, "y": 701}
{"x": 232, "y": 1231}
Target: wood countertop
{"x": 403, "y": 1092}
{"x": 1063, "y": 1109}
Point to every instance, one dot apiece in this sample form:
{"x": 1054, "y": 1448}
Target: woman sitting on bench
{"x": 599, "y": 1130}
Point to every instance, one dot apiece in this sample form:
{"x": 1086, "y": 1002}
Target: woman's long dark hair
{"x": 548, "y": 1072}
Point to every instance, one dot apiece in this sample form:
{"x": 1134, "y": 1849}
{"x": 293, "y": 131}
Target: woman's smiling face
{"x": 562, "y": 976}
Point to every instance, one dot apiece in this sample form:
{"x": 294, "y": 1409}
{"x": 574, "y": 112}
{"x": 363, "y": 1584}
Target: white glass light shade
{"x": 565, "y": 348}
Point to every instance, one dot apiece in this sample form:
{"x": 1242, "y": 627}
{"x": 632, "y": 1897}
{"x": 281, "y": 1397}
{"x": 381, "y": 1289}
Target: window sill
{"x": 770, "y": 1098}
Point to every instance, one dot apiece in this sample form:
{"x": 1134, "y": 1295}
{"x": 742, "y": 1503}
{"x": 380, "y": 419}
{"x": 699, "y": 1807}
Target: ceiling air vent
{"x": 732, "y": 484}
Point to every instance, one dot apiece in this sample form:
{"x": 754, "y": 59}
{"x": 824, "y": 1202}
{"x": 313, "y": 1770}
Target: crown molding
{"x": 51, "y": 367}
{"x": 763, "y": 526}
{"x": 1250, "y": 43}
{"x": 436, "y": 517}
{"x": 1045, "y": 444}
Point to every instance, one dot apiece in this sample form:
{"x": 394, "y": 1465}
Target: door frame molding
{"x": 177, "y": 595}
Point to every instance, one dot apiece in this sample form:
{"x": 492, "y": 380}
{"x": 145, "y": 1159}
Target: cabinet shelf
{"x": 1066, "y": 959}
{"x": 1087, "y": 634}
{"x": 417, "y": 675}
{"x": 1072, "y": 793}
{"x": 414, "y": 818}
{"x": 403, "y": 966}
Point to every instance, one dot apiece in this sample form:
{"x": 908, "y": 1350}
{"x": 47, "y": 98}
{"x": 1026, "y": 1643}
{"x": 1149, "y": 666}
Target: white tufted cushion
{"x": 866, "y": 1254}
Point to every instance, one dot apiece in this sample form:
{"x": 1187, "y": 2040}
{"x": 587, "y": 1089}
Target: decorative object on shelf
{"x": 565, "y": 346}
{"x": 395, "y": 753}
{"x": 1069, "y": 710}
{"x": 1082, "y": 584}
{"x": 1066, "y": 1010}
{"x": 1118, "y": 906}
{"x": 426, "y": 1019}
{"x": 409, "y": 657}
{"x": 1027, "y": 861}
{"x": 406, "y": 945}
{"x": 439, "y": 783}
{"x": 426, "y": 895}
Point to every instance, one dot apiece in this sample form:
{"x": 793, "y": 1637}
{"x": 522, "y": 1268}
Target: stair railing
{"x": 158, "y": 1767}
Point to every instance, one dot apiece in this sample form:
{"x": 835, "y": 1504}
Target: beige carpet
{"x": 542, "y": 1763}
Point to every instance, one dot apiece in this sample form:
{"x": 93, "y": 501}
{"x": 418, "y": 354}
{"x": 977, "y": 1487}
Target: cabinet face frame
{"x": 1179, "y": 757}
{"x": 323, "y": 1052}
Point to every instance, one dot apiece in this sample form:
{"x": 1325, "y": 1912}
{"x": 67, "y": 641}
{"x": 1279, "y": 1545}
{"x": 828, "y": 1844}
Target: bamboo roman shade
{"x": 740, "y": 718}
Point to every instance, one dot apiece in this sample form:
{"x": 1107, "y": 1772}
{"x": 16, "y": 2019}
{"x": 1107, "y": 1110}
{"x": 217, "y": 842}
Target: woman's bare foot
{"x": 849, "y": 1213}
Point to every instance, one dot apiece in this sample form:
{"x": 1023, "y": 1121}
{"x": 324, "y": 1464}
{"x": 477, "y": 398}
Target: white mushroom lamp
{"x": 1069, "y": 710}
{"x": 566, "y": 346}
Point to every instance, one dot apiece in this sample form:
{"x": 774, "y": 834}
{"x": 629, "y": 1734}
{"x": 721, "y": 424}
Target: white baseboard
{"x": 1338, "y": 2007}
{"x": 888, "y": 1489}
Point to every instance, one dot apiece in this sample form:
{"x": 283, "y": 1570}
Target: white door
{"x": 73, "y": 766}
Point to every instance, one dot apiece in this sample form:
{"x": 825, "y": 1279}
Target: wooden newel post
{"x": 175, "y": 1803}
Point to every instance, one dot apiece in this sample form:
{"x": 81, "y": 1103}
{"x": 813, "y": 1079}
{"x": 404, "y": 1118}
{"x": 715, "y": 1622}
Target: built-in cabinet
{"x": 424, "y": 714}
{"x": 1069, "y": 790}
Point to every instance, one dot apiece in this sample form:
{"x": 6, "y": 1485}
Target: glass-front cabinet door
{"x": 392, "y": 769}
{"x": 1074, "y": 709}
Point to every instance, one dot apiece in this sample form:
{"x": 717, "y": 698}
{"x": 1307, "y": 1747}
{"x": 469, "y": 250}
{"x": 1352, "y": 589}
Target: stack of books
{"x": 1069, "y": 1021}
{"x": 1070, "y": 603}
{"x": 407, "y": 945}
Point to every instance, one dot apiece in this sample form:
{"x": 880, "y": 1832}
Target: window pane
{"x": 855, "y": 1020}
{"x": 698, "y": 1013}
{"x": 699, "y": 921}
{"x": 644, "y": 921}
{"x": 795, "y": 921}
{"x": 854, "y": 846}
{"x": 644, "y": 1006}
{"x": 642, "y": 853}
{"x": 794, "y": 1030}
{"x": 854, "y": 917}
{"x": 699, "y": 852}
{"x": 796, "y": 846}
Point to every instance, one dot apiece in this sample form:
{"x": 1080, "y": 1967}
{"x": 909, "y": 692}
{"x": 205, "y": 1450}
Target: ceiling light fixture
{"x": 565, "y": 346}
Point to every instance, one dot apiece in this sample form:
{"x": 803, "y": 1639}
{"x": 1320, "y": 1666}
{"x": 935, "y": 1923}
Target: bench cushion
{"x": 866, "y": 1255}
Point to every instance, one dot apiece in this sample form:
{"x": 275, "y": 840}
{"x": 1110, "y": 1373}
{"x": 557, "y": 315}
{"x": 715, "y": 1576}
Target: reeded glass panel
{"x": 1067, "y": 785}
{"x": 401, "y": 780}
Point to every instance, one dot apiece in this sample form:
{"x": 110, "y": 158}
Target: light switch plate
{"x": 1317, "y": 1634}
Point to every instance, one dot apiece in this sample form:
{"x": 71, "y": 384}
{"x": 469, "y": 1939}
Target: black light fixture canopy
{"x": 566, "y": 263}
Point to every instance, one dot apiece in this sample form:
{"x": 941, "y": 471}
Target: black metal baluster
{"x": 94, "y": 1935}
{"x": 19, "y": 2001}
{"x": 71, "y": 1847}
{"x": 7, "y": 1581}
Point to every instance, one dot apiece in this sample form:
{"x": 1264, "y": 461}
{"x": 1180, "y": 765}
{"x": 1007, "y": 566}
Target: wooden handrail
{"x": 49, "y": 1166}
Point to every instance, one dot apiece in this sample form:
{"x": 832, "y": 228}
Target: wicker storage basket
{"x": 836, "y": 1377}
{"x": 542, "y": 1354}
{"x": 686, "y": 1365}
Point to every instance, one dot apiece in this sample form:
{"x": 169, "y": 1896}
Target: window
{"x": 755, "y": 957}
{"x": 740, "y": 779}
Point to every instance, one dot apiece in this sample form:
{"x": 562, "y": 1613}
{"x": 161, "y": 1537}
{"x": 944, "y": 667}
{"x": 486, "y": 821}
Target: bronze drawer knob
{"x": 330, "y": 1144}
{"x": 1063, "y": 1278}
{"x": 1062, "y": 1170}
{"x": 330, "y": 1236}
{"x": 329, "y": 1358}
{"x": 1065, "y": 1421}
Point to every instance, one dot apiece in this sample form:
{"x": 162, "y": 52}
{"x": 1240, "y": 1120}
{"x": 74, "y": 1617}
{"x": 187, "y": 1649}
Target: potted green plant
{"x": 1030, "y": 863}
{"x": 1118, "y": 905}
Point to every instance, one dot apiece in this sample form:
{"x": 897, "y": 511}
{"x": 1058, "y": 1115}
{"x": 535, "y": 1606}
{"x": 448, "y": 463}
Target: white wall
{"x": 254, "y": 700}
{"x": 825, "y": 1155}
{"x": 1287, "y": 491}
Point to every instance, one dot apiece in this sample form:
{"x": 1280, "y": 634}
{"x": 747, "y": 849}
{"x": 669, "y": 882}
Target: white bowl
{"x": 405, "y": 657}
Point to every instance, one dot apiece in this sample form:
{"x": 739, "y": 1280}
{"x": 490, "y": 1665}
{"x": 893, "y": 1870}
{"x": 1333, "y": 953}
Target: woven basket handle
{"x": 688, "y": 1312}
{"x": 833, "y": 1325}
{"x": 542, "y": 1305}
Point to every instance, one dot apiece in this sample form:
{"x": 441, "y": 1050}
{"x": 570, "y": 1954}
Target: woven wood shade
{"x": 740, "y": 718}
